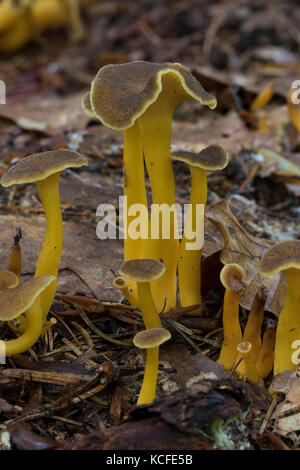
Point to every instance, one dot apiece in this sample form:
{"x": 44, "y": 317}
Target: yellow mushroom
{"x": 140, "y": 98}
{"x": 244, "y": 350}
{"x": 45, "y": 169}
{"x": 9, "y": 13}
{"x": 120, "y": 283}
{"x": 252, "y": 331}
{"x": 15, "y": 258}
{"x": 232, "y": 277}
{"x": 265, "y": 358}
{"x": 285, "y": 257}
{"x": 143, "y": 272}
{"x": 24, "y": 298}
{"x": 48, "y": 13}
{"x": 16, "y": 31}
{"x": 189, "y": 260}
{"x": 150, "y": 340}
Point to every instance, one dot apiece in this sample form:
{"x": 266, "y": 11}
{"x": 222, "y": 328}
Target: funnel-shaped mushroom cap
{"x": 283, "y": 256}
{"x": 232, "y": 277}
{"x": 244, "y": 348}
{"x": 39, "y": 166}
{"x": 142, "y": 270}
{"x": 151, "y": 338}
{"x": 19, "y": 299}
{"x": 86, "y": 104}
{"x": 122, "y": 93}
{"x": 213, "y": 157}
{"x": 8, "y": 280}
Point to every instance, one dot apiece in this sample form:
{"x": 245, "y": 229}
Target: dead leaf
{"x": 47, "y": 114}
{"x": 246, "y": 250}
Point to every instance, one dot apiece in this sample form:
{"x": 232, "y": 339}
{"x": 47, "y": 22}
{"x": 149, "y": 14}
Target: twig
{"x": 99, "y": 332}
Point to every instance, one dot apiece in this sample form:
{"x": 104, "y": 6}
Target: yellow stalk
{"x": 244, "y": 351}
{"x": 135, "y": 192}
{"x": 232, "y": 330}
{"x": 50, "y": 254}
{"x": 15, "y": 261}
{"x": 155, "y": 128}
{"x": 148, "y": 390}
{"x": 150, "y": 316}
{"x": 266, "y": 354}
{"x": 288, "y": 328}
{"x": 32, "y": 333}
{"x": 189, "y": 261}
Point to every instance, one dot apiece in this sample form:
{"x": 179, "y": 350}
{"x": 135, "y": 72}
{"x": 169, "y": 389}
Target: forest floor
{"x": 77, "y": 388}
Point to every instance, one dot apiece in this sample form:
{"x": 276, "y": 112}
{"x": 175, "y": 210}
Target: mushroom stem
{"x": 288, "y": 328}
{"x": 15, "y": 259}
{"x": 32, "y": 333}
{"x": 244, "y": 350}
{"x": 266, "y": 354}
{"x": 232, "y": 329}
{"x": 155, "y": 128}
{"x": 77, "y": 28}
{"x": 135, "y": 192}
{"x": 50, "y": 254}
{"x": 146, "y": 303}
{"x": 148, "y": 390}
{"x": 120, "y": 283}
{"x": 252, "y": 330}
{"x": 189, "y": 261}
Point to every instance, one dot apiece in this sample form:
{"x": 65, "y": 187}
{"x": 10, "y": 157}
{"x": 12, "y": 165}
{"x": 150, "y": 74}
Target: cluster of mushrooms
{"x": 139, "y": 98}
{"x": 23, "y": 20}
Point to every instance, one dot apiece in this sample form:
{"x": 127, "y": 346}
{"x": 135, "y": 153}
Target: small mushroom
{"x": 189, "y": 261}
{"x": 17, "y": 300}
{"x": 139, "y": 98}
{"x": 120, "y": 283}
{"x": 252, "y": 331}
{"x": 8, "y": 280}
{"x": 285, "y": 257}
{"x": 45, "y": 169}
{"x": 47, "y": 13}
{"x": 144, "y": 271}
{"x": 15, "y": 258}
{"x": 244, "y": 350}
{"x": 150, "y": 340}
{"x": 232, "y": 277}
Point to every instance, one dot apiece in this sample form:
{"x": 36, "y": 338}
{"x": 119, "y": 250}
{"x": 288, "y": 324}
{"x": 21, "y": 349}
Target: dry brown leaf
{"x": 86, "y": 262}
{"x": 49, "y": 115}
{"x": 246, "y": 250}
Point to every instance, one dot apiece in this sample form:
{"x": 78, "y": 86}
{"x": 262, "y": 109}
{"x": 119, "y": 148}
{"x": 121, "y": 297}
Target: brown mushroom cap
{"x": 39, "y": 166}
{"x": 122, "y": 93}
{"x": 119, "y": 282}
{"x": 213, "y": 157}
{"x": 282, "y": 256}
{"x": 8, "y": 280}
{"x": 86, "y": 105}
{"x": 151, "y": 338}
{"x": 142, "y": 270}
{"x": 232, "y": 276}
{"x": 244, "y": 347}
{"x": 19, "y": 299}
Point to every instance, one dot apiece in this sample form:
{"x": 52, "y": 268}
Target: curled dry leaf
{"x": 287, "y": 413}
{"x": 246, "y": 250}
